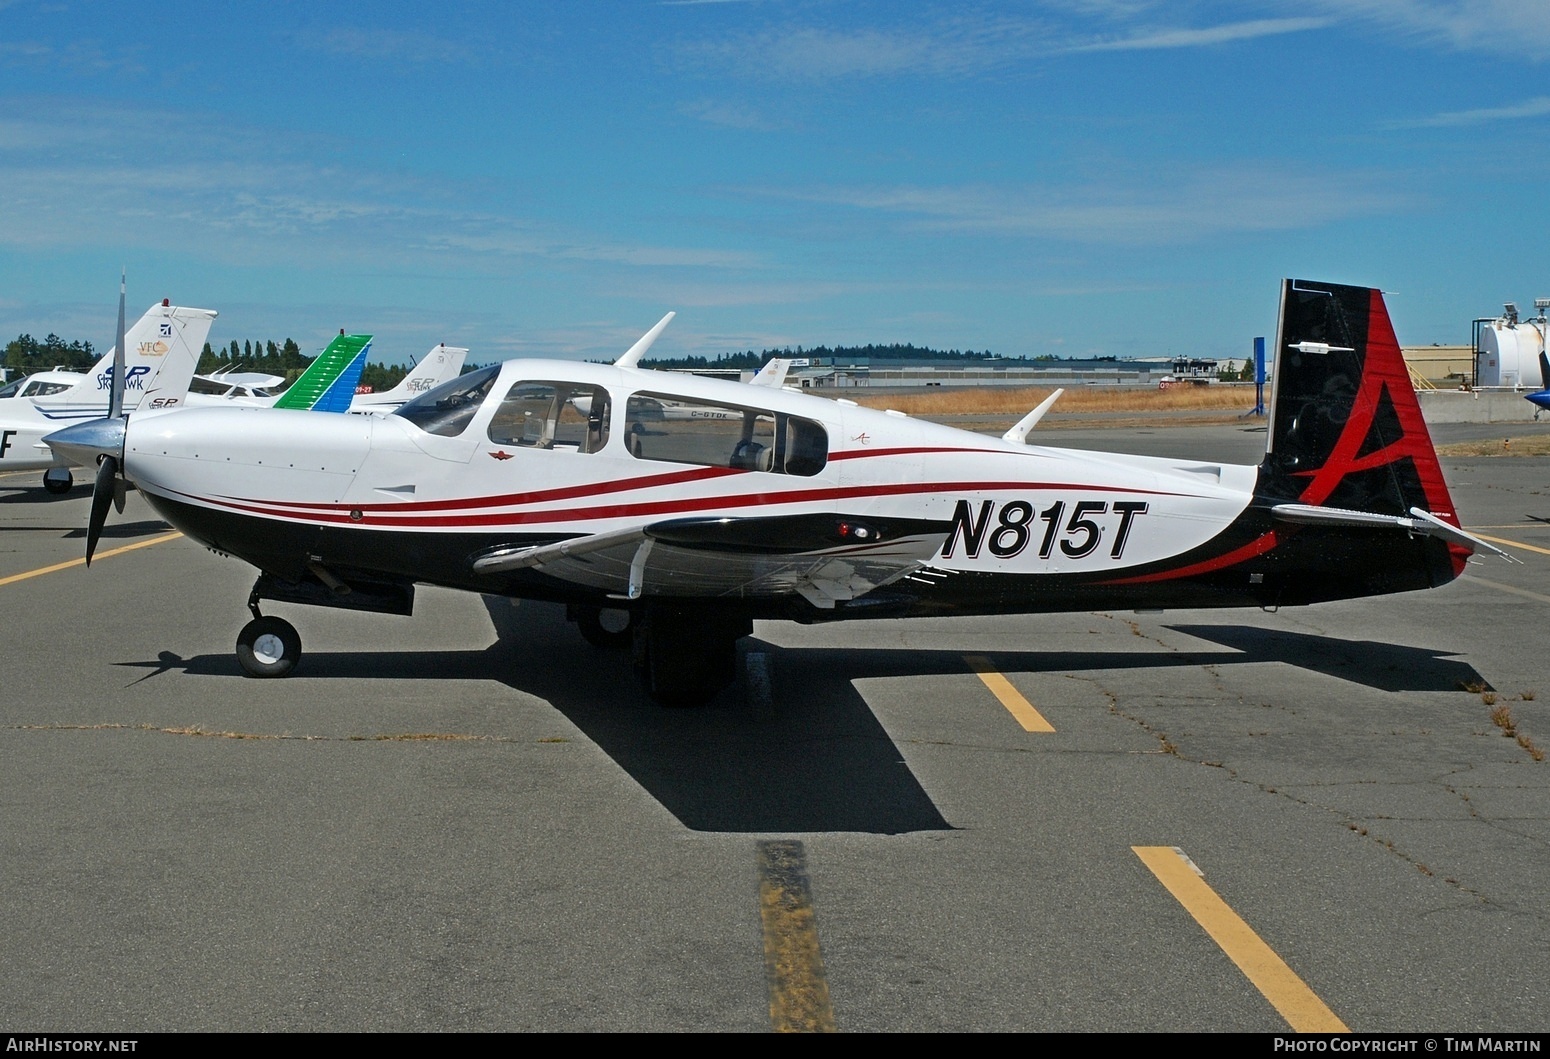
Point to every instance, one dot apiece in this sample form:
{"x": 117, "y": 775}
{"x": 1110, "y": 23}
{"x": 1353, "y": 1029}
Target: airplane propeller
{"x": 101, "y": 441}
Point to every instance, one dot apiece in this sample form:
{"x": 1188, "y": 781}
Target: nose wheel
{"x": 268, "y": 647}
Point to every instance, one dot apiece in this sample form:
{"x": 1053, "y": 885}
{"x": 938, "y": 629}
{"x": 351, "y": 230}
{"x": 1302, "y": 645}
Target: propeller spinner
{"x": 101, "y": 442}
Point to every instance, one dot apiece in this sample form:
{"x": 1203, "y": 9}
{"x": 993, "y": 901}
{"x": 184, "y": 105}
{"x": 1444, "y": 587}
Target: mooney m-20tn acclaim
{"x": 669, "y": 511}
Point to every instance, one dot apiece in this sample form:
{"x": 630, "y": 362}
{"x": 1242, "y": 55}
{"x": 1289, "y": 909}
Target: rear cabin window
{"x": 446, "y": 410}
{"x": 552, "y": 415}
{"x": 659, "y": 427}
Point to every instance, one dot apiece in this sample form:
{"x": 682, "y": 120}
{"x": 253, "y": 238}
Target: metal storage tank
{"x": 1507, "y": 349}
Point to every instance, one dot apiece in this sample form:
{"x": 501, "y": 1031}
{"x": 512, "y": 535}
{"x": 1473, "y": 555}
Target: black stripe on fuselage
{"x": 1306, "y": 564}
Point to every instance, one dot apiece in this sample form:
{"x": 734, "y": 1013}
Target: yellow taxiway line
{"x": 82, "y": 561}
{"x": 1513, "y": 544}
{"x": 1031, "y": 719}
{"x": 1298, "y": 1004}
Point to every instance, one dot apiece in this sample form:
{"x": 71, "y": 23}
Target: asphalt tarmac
{"x": 472, "y": 820}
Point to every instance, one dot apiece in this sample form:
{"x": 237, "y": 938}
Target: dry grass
{"x": 1020, "y": 400}
{"x": 1532, "y": 445}
{"x": 1502, "y": 717}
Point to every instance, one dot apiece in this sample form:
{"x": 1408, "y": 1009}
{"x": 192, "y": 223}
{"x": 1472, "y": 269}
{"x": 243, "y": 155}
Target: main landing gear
{"x": 684, "y": 652}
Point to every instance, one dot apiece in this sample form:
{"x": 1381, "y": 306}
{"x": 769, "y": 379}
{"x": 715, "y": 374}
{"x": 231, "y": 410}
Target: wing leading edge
{"x": 826, "y": 559}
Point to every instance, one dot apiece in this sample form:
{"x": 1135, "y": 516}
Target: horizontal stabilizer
{"x": 1422, "y": 523}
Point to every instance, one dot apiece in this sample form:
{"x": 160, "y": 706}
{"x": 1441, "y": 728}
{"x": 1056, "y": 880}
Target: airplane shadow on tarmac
{"x": 820, "y": 760}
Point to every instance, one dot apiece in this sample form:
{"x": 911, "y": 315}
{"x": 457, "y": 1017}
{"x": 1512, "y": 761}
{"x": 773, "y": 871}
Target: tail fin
{"x": 772, "y": 374}
{"x": 1544, "y": 370}
{"x": 161, "y": 352}
{"x": 440, "y": 365}
{"x": 328, "y": 384}
{"x": 1346, "y": 428}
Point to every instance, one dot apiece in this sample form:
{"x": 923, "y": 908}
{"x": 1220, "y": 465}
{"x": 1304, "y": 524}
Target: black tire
{"x": 268, "y": 647}
{"x": 612, "y": 628}
{"x": 689, "y": 655}
{"x": 57, "y": 484}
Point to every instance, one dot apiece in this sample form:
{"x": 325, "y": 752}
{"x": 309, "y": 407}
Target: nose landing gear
{"x": 268, "y": 647}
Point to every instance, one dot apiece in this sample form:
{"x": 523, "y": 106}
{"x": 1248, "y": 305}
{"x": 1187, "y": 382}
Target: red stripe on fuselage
{"x": 342, "y": 514}
{"x": 1258, "y": 546}
{"x": 541, "y": 496}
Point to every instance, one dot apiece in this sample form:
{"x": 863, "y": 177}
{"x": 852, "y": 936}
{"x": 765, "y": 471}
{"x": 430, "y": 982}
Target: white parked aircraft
{"x": 162, "y": 350}
{"x": 440, "y": 365}
{"x": 236, "y": 384}
{"x": 329, "y": 383}
{"x": 782, "y": 505}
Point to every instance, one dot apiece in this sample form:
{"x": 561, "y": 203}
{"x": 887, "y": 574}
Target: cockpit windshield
{"x": 447, "y": 409}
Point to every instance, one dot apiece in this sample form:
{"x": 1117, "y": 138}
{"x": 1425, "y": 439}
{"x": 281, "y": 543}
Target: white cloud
{"x": 1186, "y": 208}
{"x": 1210, "y": 35}
{"x": 1517, "y": 27}
{"x": 727, "y": 115}
{"x": 1533, "y": 108}
{"x": 199, "y": 190}
{"x": 397, "y": 45}
{"x": 952, "y": 48}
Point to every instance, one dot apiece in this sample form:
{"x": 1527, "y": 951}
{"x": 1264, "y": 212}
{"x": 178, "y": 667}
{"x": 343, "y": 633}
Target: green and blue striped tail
{"x": 328, "y": 384}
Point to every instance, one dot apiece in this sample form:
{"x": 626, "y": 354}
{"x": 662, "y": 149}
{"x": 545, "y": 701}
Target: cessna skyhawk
{"x": 564, "y": 481}
{"x": 162, "y": 349}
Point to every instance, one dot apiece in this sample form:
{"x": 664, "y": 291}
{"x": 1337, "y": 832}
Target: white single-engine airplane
{"x": 779, "y": 504}
{"x": 442, "y": 364}
{"x": 163, "y": 349}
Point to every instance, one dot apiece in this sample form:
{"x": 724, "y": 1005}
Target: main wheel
{"x": 58, "y": 480}
{"x": 268, "y": 647}
{"x": 687, "y": 654}
{"x": 609, "y": 627}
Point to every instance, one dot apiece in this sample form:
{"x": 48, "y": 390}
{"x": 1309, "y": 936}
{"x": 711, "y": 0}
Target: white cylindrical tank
{"x": 1509, "y": 353}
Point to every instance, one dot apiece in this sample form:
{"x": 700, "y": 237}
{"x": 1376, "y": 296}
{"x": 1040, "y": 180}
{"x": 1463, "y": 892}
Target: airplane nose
{"x": 83, "y": 443}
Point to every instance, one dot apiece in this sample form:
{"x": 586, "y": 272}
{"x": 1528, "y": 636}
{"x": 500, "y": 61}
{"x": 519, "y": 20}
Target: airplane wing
{"x": 826, "y": 559}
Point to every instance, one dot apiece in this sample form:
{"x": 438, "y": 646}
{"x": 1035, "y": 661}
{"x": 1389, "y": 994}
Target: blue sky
{"x": 1072, "y": 177}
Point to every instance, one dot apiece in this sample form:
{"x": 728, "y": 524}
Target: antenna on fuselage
{"x": 635, "y": 352}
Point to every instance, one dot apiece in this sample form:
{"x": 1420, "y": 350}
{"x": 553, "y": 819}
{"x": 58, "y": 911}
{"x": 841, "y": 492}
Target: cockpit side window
{"x": 552, "y": 415}
{"x": 446, "y": 410}
{"x": 661, "y": 427}
{"x": 40, "y": 388}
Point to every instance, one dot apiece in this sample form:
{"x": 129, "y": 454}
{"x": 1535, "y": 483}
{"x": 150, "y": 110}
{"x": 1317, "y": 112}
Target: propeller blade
{"x": 116, "y": 394}
{"x": 101, "y": 497}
